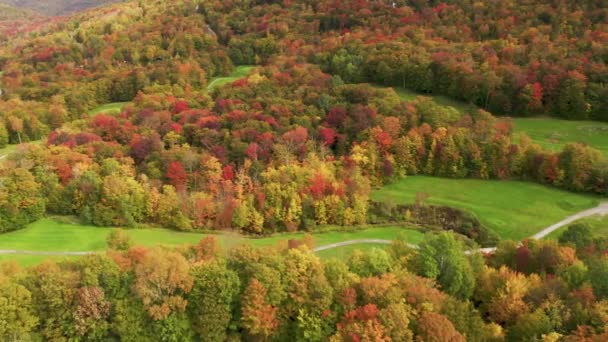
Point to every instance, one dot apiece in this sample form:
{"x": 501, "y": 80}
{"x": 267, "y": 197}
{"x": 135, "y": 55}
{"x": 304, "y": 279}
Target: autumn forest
{"x": 244, "y": 121}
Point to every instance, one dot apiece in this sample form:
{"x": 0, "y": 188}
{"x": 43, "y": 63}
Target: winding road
{"x": 601, "y": 209}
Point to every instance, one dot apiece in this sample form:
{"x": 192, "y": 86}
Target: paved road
{"x": 601, "y": 209}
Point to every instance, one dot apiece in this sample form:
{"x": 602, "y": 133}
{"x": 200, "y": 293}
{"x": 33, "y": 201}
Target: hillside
{"x": 58, "y": 7}
{"x": 15, "y": 21}
{"x": 11, "y": 13}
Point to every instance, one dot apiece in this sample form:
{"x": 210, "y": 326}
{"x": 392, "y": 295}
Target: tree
{"x": 598, "y": 275}
{"x": 166, "y": 211}
{"x": 578, "y": 235}
{"x": 571, "y": 102}
{"x": 396, "y": 321}
{"x": 91, "y": 314}
{"x": 17, "y": 319}
{"x": 368, "y": 264}
{"x": 258, "y": 317}
{"x": 122, "y": 203}
{"x": 118, "y": 240}
{"x": 162, "y": 279}
{"x": 362, "y": 324}
{"x": 530, "y": 327}
{"x": 434, "y": 327}
{"x": 442, "y": 257}
{"x": 212, "y": 299}
{"x": 176, "y": 174}
{"x": 20, "y": 199}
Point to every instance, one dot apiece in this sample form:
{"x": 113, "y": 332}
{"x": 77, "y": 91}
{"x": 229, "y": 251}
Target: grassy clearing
{"x": 552, "y": 133}
{"x": 514, "y": 210}
{"x": 108, "y": 108}
{"x": 409, "y": 95}
{"x": 50, "y": 235}
{"x": 238, "y": 73}
{"x": 6, "y": 151}
{"x": 597, "y": 223}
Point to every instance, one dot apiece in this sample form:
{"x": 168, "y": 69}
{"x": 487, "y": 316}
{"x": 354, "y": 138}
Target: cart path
{"x": 601, "y": 209}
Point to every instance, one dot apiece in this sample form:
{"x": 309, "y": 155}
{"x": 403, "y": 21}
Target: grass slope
{"x": 514, "y": 210}
{"x": 238, "y": 73}
{"x": 50, "y": 235}
{"x": 552, "y": 133}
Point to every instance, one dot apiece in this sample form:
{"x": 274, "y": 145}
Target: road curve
{"x": 601, "y": 209}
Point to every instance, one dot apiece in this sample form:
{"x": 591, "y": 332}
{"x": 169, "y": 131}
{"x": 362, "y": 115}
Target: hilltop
{"x": 58, "y": 7}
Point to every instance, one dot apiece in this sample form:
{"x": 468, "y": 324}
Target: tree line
{"x": 538, "y": 291}
{"x": 288, "y": 148}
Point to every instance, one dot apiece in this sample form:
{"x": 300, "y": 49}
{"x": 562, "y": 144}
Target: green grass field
{"x": 552, "y": 134}
{"x": 50, "y": 235}
{"x": 597, "y": 223}
{"x": 239, "y": 72}
{"x": 514, "y": 210}
{"x": 109, "y": 108}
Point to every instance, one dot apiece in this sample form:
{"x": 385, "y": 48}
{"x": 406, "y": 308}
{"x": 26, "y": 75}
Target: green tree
{"x": 578, "y": 234}
{"x": 20, "y": 199}
{"x": 530, "y": 327}
{"x": 118, "y": 240}
{"x": 212, "y": 299}
{"x": 17, "y": 319}
{"x": 441, "y": 256}
{"x": 598, "y": 275}
{"x": 122, "y": 202}
{"x": 372, "y": 263}
{"x": 571, "y": 102}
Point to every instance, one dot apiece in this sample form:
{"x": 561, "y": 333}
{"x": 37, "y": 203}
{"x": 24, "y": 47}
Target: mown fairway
{"x": 239, "y": 72}
{"x": 49, "y": 235}
{"x": 552, "y": 134}
{"x": 514, "y": 210}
